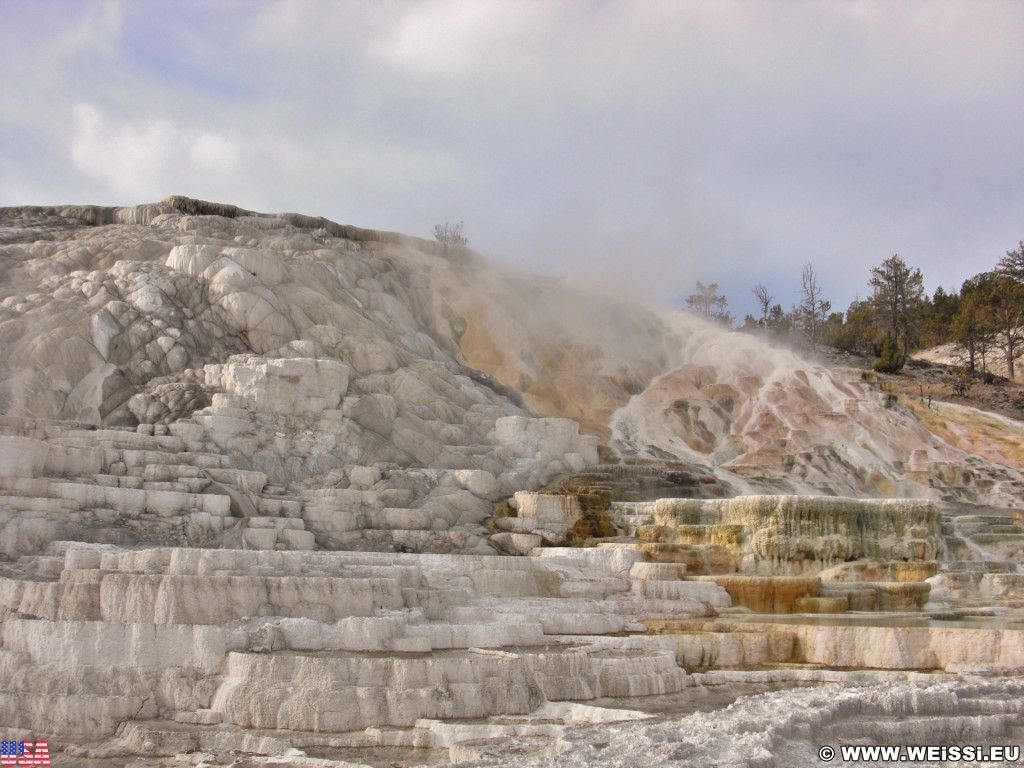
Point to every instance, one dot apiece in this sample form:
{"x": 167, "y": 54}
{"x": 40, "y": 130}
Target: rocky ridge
{"x": 168, "y": 355}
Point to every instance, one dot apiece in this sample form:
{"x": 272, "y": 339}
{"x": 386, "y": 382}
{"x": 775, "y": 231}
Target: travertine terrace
{"x": 277, "y": 490}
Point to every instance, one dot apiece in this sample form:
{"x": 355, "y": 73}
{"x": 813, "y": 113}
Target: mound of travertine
{"x": 321, "y": 642}
{"x": 249, "y": 469}
{"x": 167, "y": 651}
{"x": 925, "y": 722}
{"x": 238, "y": 380}
{"x": 327, "y": 356}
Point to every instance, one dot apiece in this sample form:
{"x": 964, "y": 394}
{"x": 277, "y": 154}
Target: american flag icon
{"x": 10, "y": 751}
{"x": 23, "y": 753}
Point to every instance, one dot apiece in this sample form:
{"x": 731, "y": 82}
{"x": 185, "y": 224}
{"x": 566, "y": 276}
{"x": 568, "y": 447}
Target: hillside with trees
{"x": 982, "y": 324}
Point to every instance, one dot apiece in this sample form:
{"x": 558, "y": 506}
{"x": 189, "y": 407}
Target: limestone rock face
{"x": 319, "y": 642}
{"x": 422, "y": 355}
{"x": 283, "y": 386}
{"x": 763, "y": 418}
{"x": 309, "y": 378}
{"x": 163, "y": 403}
{"x": 252, "y": 482}
{"x": 795, "y": 535}
{"x": 550, "y": 517}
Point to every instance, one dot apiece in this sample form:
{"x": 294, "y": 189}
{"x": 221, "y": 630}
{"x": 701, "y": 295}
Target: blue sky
{"x": 641, "y": 145}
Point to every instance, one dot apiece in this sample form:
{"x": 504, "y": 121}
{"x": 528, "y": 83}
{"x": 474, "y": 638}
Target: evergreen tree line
{"x": 985, "y": 320}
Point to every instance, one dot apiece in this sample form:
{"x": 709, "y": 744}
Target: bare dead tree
{"x": 812, "y": 312}
{"x": 764, "y": 301}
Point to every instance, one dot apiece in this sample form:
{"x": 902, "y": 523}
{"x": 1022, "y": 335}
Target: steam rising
{"x": 92, "y": 316}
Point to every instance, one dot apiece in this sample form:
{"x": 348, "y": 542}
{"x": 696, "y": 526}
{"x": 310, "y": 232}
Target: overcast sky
{"x": 642, "y": 144}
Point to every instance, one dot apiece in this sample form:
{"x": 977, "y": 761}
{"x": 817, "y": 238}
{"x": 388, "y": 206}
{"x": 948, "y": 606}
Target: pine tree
{"x": 709, "y": 303}
{"x": 1006, "y": 305}
{"x": 1012, "y": 264}
{"x": 889, "y": 360}
{"x": 897, "y": 291}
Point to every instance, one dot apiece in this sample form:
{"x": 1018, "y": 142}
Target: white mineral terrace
{"x": 493, "y": 660}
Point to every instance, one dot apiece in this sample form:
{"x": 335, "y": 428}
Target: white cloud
{"x": 97, "y": 33}
{"x": 696, "y": 138}
{"x": 213, "y": 152}
{"x": 462, "y": 39}
{"x": 146, "y": 157}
